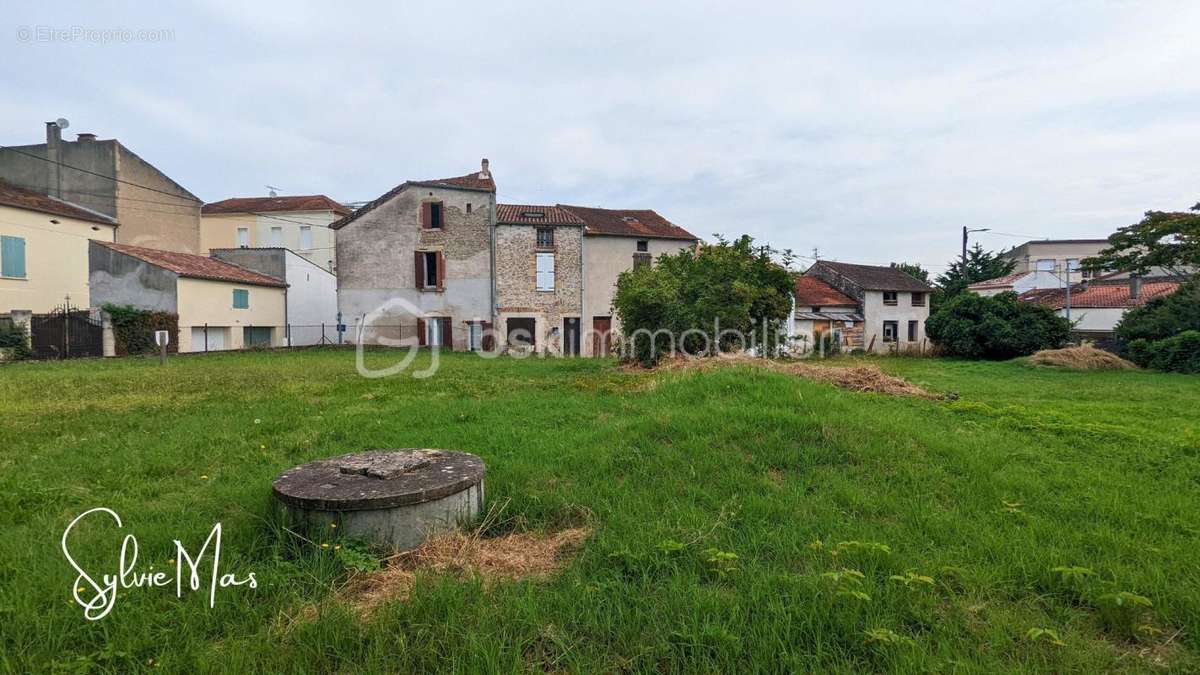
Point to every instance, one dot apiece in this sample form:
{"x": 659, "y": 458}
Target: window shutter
{"x": 12, "y": 257}
{"x": 447, "y": 333}
{"x": 426, "y": 215}
{"x": 421, "y": 332}
{"x": 419, "y": 266}
{"x": 441, "y": 270}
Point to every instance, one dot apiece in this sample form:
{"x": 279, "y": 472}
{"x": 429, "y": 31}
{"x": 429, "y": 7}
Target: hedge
{"x": 1179, "y": 353}
{"x": 133, "y": 329}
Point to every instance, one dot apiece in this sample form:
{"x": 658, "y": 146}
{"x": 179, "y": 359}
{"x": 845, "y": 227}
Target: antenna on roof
{"x": 272, "y": 190}
{"x": 816, "y": 253}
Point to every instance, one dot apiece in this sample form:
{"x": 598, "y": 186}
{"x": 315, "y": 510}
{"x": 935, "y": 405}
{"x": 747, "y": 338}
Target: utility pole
{"x": 964, "y": 243}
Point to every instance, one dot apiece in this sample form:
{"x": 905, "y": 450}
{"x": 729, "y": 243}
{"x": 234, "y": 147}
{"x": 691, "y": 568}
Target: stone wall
{"x": 516, "y": 282}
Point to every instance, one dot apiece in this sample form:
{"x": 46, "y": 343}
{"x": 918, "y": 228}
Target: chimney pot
{"x": 85, "y": 137}
{"x": 53, "y": 133}
{"x": 483, "y": 169}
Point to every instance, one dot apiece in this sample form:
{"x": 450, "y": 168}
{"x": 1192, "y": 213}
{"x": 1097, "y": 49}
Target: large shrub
{"x": 728, "y": 295}
{"x": 1179, "y": 353}
{"x": 133, "y": 329}
{"x": 1163, "y": 317}
{"x": 14, "y": 341}
{"x": 997, "y": 327}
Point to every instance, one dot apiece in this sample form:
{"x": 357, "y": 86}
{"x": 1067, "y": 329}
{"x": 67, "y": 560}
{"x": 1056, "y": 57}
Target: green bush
{"x": 997, "y": 327}
{"x": 1163, "y": 317}
{"x": 1179, "y": 353}
{"x": 133, "y": 329}
{"x": 15, "y": 340}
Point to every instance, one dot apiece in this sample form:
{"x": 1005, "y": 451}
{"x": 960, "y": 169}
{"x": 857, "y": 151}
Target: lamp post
{"x": 964, "y": 243}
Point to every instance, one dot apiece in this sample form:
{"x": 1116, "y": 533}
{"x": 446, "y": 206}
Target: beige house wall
{"x": 56, "y": 259}
{"x": 203, "y": 301}
{"x": 150, "y": 218}
{"x": 220, "y": 231}
{"x": 875, "y": 313}
{"x": 516, "y": 283}
{"x": 604, "y": 258}
{"x": 1027, "y": 255}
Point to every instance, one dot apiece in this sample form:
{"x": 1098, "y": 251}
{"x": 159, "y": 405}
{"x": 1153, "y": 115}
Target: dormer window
{"x": 533, "y": 214}
{"x": 629, "y": 219}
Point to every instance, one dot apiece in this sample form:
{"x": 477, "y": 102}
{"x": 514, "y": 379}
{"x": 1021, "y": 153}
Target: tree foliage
{"x": 914, "y": 270}
{"x": 1163, "y": 239}
{"x": 721, "y": 296}
{"x": 1163, "y": 317}
{"x": 133, "y": 329}
{"x": 996, "y": 327}
{"x": 980, "y": 265}
{"x": 1178, "y": 353}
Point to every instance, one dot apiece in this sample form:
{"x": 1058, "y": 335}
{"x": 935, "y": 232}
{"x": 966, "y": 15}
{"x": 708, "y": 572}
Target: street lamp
{"x": 964, "y": 248}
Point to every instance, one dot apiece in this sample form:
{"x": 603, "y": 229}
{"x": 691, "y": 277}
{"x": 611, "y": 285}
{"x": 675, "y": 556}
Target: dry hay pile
{"x": 507, "y": 558}
{"x": 862, "y": 378}
{"x": 1081, "y": 358}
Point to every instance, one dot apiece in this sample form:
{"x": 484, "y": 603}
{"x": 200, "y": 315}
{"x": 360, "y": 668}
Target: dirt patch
{"x": 1081, "y": 358}
{"x": 862, "y": 378}
{"x": 497, "y": 559}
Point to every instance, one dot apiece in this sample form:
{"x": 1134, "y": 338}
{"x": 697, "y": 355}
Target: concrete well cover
{"x": 378, "y": 479}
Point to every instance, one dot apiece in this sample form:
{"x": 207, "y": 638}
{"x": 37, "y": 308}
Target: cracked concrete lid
{"x": 378, "y": 479}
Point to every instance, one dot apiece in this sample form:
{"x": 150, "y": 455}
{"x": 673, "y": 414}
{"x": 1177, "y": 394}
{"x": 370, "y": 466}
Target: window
{"x": 1045, "y": 265}
{"x": 521, "y": 332}
{"x": 643, "y": 246}
{"x": 889, "y": 298}
{"x": 475, "y": 334}
{"x": 545, "y": 271}
{"x": 913, "y": 329}
{"x": 641, "y": 260}
{"x": 429, "y": 269}
{"x": 241, "y": 298}
{"x": 890, "y": 329}
{"x": 243, "y": 235}
{"x": 468, "y": 207}
{"x": 277, "y": 236}
{"x": 918, "y": 299}
{"x": 305, "y": 237}
{"x": 432, "y": 215}
{"x": 545, "y": 237}
{"x": 12, "y": 257}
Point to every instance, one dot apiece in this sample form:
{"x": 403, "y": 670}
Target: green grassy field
{"x": 979, "y": 497}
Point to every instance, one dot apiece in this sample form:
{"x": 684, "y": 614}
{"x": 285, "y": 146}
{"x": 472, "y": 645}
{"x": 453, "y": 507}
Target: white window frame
{"x": 276, "y": 236}
{"x": 306, "y": 237}
{"x": 243, "y": 237}
{"x": 1041, "y": 265}
{"x": 544, "y": 265}
{"x": 433, "y": 331}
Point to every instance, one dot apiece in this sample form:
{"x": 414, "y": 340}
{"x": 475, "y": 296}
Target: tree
{"x": 1167, "y": 240}
{"x": 996, "y": 327}
{"x": 914, "y": 270}
{"x": 722, "y": 296}
{"x": 1163, "y": 317}
{"x": 980, "y": 265}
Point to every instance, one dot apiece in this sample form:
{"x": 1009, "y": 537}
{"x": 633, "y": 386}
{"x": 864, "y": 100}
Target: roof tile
{"x": 628, "y": 223}
{"x": 195, "y": 266}
{"x": 21, "y": 198}
{"x": 813, "y": 292}
{"x": 269, "y": 204}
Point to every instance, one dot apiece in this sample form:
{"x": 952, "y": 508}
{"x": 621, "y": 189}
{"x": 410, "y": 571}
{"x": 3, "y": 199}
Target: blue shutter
{"x": 241, "y": 298}
{"x": 12, "y": 257}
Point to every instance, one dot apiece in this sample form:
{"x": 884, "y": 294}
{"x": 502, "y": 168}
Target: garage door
{"x": 216, "y": 338}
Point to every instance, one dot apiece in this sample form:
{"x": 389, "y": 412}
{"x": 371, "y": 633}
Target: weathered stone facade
{"x": 377, "y": 267}
{"x": 516, "y": 284}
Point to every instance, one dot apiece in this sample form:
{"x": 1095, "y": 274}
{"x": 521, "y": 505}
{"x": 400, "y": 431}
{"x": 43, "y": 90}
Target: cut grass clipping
{"x": 860, "y": 378}
{"x": 1081, "y": 358}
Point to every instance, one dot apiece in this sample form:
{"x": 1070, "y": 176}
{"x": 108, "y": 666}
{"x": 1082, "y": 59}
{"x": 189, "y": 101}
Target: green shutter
{"x": 241, "y": 298}
{"x": 12, "y": 257}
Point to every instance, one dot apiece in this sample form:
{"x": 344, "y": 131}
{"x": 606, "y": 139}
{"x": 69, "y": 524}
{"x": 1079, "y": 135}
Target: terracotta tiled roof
{"x": 1110, "y": 294}
{"x": 481, "y": 181}
{"x": 266, "y": 204}
{"x": 21, "y": 198}
{"x": 628, "y": 223}
{"x": 533, "y": 214}
{"x": 812, "y": 292}
{"x": 999, "y": 282}
{"x": 875, "y": 277}
{"x": 195, "y": 266}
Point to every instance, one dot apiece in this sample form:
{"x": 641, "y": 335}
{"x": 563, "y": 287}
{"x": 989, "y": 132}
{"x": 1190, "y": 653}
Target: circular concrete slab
{"x": 396, "y": 498}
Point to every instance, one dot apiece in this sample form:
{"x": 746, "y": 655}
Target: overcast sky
{"x": 872, "y": 130}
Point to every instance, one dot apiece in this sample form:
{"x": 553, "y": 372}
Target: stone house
{"x": 616, "y": 240}
{"x": 299, "y": 223}
{"x": 417, "y": 263}
{"x": 822, "y": 315}
{"x": 44, "y": 250}
{"x": 220, "y": 305}
{"x": 893, "y": 305}
{"x": 539, "y": 278}
{"x": 109, "y": 178}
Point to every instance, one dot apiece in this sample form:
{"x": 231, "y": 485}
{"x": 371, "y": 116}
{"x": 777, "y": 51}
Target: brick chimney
{"x": 85, "y": 138}
{"x": 1135, "y": 286}
{"x": 483, "y": 169}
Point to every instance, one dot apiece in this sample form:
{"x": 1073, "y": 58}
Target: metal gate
{"x": 65, "y": 334}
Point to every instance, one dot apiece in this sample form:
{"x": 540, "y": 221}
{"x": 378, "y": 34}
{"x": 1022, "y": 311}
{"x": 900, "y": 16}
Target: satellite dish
{"x": 62, "y": 123}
